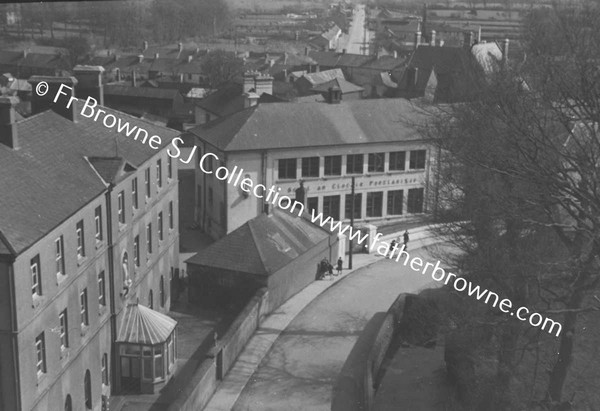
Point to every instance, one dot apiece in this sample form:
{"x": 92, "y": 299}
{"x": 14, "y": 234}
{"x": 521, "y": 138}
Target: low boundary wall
{"x": 209, "y": 373}
{"x": 361, "y": 374}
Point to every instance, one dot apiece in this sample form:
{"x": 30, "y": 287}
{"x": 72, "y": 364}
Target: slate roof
{"x": 323, "y": 76}
{"x": 141, "y": 92}
{"x": 229, "y": 99}
{"x": 142, "y": 325}
{"x": 335, "y": 59}
{"x": 51, "y": 164}
{"x": 263, "y": 245}
{"x": 292, "y": 125}
{"x": 385, "y": 63}
{"x": 341, "y": 84}
{"x": 39, "y": 60}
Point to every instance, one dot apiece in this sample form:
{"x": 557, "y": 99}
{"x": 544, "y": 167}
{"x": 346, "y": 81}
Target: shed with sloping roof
{"x": 279, "y": 251}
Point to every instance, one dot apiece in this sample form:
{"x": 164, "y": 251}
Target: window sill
{"x": 101, "y": 310}
{"x": 64, "y": 353}
{"x": 99, "y": 244}
{"x": 122, "y": 226}
{"x": 60, "y": 278}
{"x": 84, "y": 329}
{"x": 37, "y": 300}
{"x": 81, "y": 259}
{"x": 40, "y": 377}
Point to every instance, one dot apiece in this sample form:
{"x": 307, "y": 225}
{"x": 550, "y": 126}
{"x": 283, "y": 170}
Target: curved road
{"x": 299, "y": 371}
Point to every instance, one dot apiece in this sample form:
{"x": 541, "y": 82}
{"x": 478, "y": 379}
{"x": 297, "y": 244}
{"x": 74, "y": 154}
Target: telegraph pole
{"x": 351, "y": 225}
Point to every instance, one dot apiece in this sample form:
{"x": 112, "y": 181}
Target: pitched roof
{"x": 142, "y": 92}
{"x": 291, "y": 125}
{"x": 335, "y": 59}
{"x": 40, "y": 60}
{"x": 262, "y": 245}
{"x": 229, "y": 99}
{"x": 142, "y": 325}
{"x": 323, "y": 76}
{"x": 52, "y": 163}
{"x": 343, "y": 85}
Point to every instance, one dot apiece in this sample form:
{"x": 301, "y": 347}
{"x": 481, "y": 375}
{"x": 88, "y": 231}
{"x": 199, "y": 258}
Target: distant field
{"x": 272, "y": 5}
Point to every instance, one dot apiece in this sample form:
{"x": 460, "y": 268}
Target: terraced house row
{"x": 88, "y": 246}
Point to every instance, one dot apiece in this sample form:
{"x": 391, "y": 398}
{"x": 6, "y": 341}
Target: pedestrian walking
{"x": 392, "y": 245}
{"x": 406, "y": 238}
{"x": 340, "y": 262}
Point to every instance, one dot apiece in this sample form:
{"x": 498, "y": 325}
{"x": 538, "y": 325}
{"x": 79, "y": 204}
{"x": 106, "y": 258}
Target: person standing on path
{"x": 406, "y": 238}
{"x": 340, "y": 263}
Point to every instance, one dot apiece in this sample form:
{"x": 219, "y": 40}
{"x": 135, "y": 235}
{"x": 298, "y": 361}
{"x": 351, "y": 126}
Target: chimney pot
{"x": 145, "y": 47}
{"x": 190, "y": 58}
{"x": 505, "y": 43}
{"x": 395, "y": 54}
{"x": 180, "y": 46}
{"x": 417, "y": 39}
{"x": 133, "y": 79}
{"x": 140, "y": 58}
{"x": 156, "y": 55}
{"x": 8, "y": 126}
{"x": 432, "y": 41}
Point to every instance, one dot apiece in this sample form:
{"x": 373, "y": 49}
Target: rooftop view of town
{"x": 258, "y": 205}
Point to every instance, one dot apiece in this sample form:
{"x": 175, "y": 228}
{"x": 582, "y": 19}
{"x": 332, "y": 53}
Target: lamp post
{"x": 351, "y": 225}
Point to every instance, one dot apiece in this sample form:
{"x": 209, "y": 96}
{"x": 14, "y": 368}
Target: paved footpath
{"x": 293, "y": 359}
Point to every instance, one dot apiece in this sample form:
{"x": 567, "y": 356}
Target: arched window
{"x": 150, "y": 300}
{"x": 162, "y": 291}
{"x": 125, "y": 268}
{"x": 87, "y": 387}
{"x": 68, "y": 403}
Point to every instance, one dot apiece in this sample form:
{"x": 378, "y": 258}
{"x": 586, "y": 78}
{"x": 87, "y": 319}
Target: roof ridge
{"x": 255, "y": 241}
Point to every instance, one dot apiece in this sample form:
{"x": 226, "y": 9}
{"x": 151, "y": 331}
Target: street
{"x": 299, "y": 371}
{"x": 357, "y": 39}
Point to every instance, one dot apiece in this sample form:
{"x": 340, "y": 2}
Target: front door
{"x": 130, "y": 374}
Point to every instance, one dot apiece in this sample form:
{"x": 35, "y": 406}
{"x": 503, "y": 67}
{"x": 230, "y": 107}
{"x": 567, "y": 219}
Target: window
{"x": 104, "y": 369}
{"x": 310, "y": 167}
{"x": 87, "y": 388}
{"x": 357, "y": 205}
{"x": 312, "y": 203}
{"x": 36, "y": 277}
{"x": 60, "y": 259}
{"x": 159, "y": 173}
{"x": 98, "y": 223}
{"x": 40, "y": 350}
{"x": 147, "y": 182}
{"x": 150, "y": 300}
{"x": 80, "y": 239}
{"x": 136, "y": 250}
{"x": 287, "y": 168}
{"x": 149, "y": 238}
{"x": 333, "y": 165}
{"x": 376, "y": 162}
{"x": 354, "y": 164}
{"x": 160, "y": 226}
{"x": 397, "y": 160}
{"x": 134, "y": 193}
{"x": 101, "y": 289}
{"x": 331, "y": 207}
{"x": 394, "y": 202}
{"x": 121, "y": 207}
{"x": 161, "y": 291}
{"x": 415, "y": 200}
{"x": 417, "y": 159}
{"x": 170, "y": 215}
{"x": 158, "y": 362}
{"x": 374, "y": 204}
{"x": 68, "y": 403}
{"x": 169, "y": 167}
{"x": 64, "y": 329}
{"x": 83, "y": 303}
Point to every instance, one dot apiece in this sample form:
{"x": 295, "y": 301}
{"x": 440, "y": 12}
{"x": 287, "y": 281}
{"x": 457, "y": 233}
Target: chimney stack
{"x": 468, "y": 39}
{"x": 250, "y": 99}
{"x": 145, "y": 47}
{"x": 334, "y": 95}
{"x": 479, "y": 35}
{"x": 395, "y": 54}
{"x": 63, "y": 106}
{"x": 89, "y": 79}
{"x": 190, "y": 57}
{"x": 8, "y": 126}
{"x": 118, "y": 73}
{"x": 249, "y": 84}
{"x": 432, "y": 41}
{"x": 140, "y": 58}
{"x": 263, "y": 84}
{"x": 417, "y": 39}
{"x": 133, "y": 79}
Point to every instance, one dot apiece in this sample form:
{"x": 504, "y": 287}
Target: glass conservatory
{"x": 146, "y": 349}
